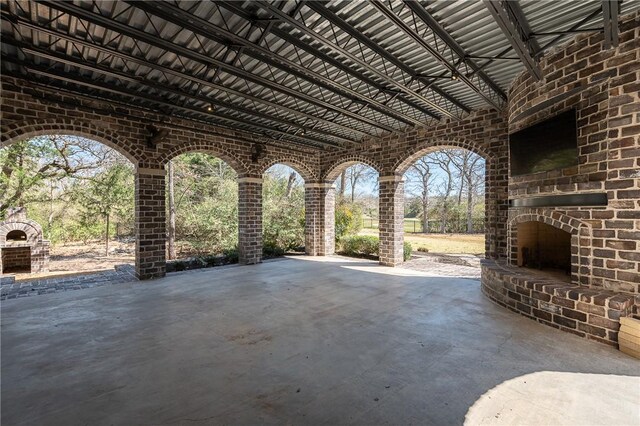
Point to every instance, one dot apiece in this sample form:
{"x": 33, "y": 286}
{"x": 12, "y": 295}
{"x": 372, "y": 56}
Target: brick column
{"x": 391, "y": 222}
{"x": 250, "y": 220}
{"x": 320, "y": 209}
{"x": 151, "y": 223}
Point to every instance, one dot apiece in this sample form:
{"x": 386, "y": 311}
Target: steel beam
{"x": 348, "y": 55}
{"x": 106, "y": 87}
{"x": 610, "y": 17}
{"x": 215, "y": 33}
{"x": 486, "y": 84}
{"x": 515, "y": 33}
{"x": 296, "y": 41}
{"x": 180, "y": 74}
{"x": 326, "y": 13}
{"x": 204, "y": 59}
{"x": 121, "y": 75}
{"x": 398, "y": 22}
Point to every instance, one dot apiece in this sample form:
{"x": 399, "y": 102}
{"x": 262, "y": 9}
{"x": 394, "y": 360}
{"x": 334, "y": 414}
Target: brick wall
{"x": 602, "y": 85}
{"x": 15, "y": 258}
{"x": 29, "y": 110}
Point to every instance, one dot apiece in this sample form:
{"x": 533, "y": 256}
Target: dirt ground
{"x": 78, "y": 257}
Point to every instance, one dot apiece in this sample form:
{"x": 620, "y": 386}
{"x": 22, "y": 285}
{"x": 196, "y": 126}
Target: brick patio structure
{"x": 22, "y": 246}
{"x": 602, "y": 84}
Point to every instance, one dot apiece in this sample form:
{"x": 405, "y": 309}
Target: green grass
{"x": 442, "y": 243}
{"x": 410, "y": 225}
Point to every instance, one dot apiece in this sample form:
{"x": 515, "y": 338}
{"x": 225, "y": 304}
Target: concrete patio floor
{"x": 300, "y": 341}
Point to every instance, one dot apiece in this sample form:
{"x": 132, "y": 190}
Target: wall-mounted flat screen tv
{"x": 549, "y": 145}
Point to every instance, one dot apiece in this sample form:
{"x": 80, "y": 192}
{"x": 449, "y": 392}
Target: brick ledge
{"x": 587, "y": 312}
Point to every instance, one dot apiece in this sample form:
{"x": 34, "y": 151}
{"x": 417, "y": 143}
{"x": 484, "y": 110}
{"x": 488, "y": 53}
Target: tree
{"x": 421, "y": 172}
{"x": 106, "y": 194}
{"x": 206, "y": 203}
{"x": 283, "y": 210}
{"x": 358, "y": 174}
{"x": 470, "y": 169}
{"x": 26, "y": 165}
{"x": 441, "y": 179}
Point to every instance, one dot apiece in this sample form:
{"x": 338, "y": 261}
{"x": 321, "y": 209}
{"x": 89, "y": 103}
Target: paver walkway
{"x": 16, "y": 289}
{"x": 445, "y": 265}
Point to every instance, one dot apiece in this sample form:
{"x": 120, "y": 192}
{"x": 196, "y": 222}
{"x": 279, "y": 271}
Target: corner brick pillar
{"x": 249, "y": 220}
{"x": 151, "y": 223}
{"x": 391, "y": 222}
{"x": 319, "y": 218}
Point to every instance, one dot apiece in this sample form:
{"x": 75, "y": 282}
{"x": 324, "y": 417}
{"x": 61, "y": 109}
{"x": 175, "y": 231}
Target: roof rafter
{"x": 177, "y": 49}
{"x": 610, "y": 17}
{"x": 296, "y": 41}
{"x": 179, "y": 74}
{"x": 343, "y": 52}
{"x": 484, "y": 86}
{"x": 515, "y": 31}
{"x": 213, "y": 32}
{"x": 57, "y": 57}
{"x": 332, "y": 17}
{"x": 219, "y": 119}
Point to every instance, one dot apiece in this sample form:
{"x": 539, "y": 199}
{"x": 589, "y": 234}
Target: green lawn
{"x": 410, "y": 225}
{"x": 442, "y": 243}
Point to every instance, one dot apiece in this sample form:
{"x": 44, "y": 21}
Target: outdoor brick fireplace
{"x": 22, "y": 247}
{"x": 572, "y": 229}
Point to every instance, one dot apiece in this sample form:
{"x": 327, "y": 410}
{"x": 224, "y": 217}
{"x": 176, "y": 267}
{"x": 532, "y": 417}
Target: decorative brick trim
{"x": 312, "y": 185}
{"x": 392, "y": 178}
{"x": 149, "y": 171}
{"x": 250, "y": 180}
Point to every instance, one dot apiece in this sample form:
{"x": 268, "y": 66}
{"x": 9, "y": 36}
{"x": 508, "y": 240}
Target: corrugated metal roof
{"x": 315, "y": 73}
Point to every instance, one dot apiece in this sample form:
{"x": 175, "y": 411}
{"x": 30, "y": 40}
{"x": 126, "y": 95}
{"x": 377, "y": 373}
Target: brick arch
{"x": 338, "y": 166}
{"x": 214, "y": 150}
{"x": 302, "y": 169}
{"x": 555, "y": 219}
{"x": 32, "y": 128}
{"x": 410, "y": 157}
{"x": 31, "y": 228}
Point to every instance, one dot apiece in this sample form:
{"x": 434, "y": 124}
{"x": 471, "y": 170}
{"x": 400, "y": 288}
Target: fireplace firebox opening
{"x": 544, "y": 247}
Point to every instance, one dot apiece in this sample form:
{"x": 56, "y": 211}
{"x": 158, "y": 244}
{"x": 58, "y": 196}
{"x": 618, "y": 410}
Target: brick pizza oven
{"x": 22, "y": 248}
{"x": 572, "y": 231}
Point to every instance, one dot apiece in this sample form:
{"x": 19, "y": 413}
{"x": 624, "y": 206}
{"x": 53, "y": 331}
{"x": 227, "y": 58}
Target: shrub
{"x": 231, "y": 255}
{"x": 272, "y": 249}
{"x": 348, "y": 220}
{"x": 406, "y": 251}
{"x": 423, "y": 249}
{"x": 360, "y": 245}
